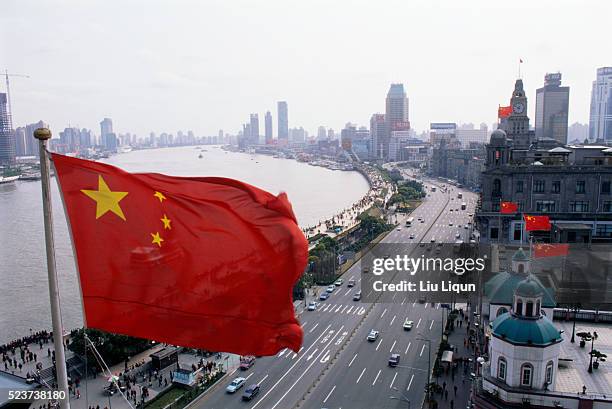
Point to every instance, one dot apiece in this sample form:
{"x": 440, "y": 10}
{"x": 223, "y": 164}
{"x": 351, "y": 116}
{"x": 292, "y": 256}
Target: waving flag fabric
{"x": 202, "y": 262}
{"x": 508, "y": 208}
{"x": 536, "y": 223}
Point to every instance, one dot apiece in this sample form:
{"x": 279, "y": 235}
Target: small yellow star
{"x": 157, "y": 239}
{"x": 166, "y": 222}
{"x": 160, "y": 196}
{"x": 106, "y": 200}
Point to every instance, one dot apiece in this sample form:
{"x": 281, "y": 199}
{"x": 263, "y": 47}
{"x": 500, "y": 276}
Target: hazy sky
{"x": 205, "y": 65}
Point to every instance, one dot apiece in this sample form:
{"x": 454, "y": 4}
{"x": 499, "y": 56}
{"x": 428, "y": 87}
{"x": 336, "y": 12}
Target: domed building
{"x": 499, "y": 290}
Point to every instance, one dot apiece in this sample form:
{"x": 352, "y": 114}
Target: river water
{"x": 316, "y": 194}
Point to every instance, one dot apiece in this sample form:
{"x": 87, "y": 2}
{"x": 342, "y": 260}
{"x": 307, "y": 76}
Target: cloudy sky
{"x": 205, "y": 65}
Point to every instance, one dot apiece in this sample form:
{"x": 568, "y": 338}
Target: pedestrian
{"x": 445, "y": 394}
{"x": 452, "y": 404}
{"x": 455, "y": 388}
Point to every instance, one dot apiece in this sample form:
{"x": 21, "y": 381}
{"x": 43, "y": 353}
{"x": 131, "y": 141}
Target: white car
{"x": 312, "y": 306}
{"x": 330, "y": 288}
{"x": 412, "y": 236}
{"x": 235, "y": 385}
{"x": 373, "y": 335}
{"x": 450, "y": 223}
{"x": 433, "y": 240}
{"x": 399, "y": 229}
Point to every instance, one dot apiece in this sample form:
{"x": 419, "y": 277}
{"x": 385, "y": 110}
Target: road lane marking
{"x": 425, "y": 305}
{"x": 394, "y": 376}
{"x": 304, "y": 324}
{"x": 361, "y": 311}
{"x": 414, "y": 303}
{"x": 326, "y": 307}
{"x": 358, "y": 379}
{"x": 418, "y": 323}
{"x": 351, "y": 363}
{"x": 325, "y": 357}
{"x": 306, "y": 370}
{"x": 383, "y": 313}
{"x": 349, "y": 310}
{"x": 408, "y": 347}
{"x": 422, "y": 349}
{"x": 264, "y": 378}
{"x": 345, "y": 307}
{"x": 431, "y": 325}
{"x": 391, "y": 323}
{"x": 313, "y": 328}
{"x": 312, "y": 354}
{"x": 410, "y": 383}
{"x": 247, "y": 378}
{"x": 380, "y": 342}
{"x": 292, "y": 366}
{"x": 347, "y": 292}
{"x": 403, "y": 301}
{"x": 392, "y": 346}
{"x": 339, "y": 307}
{"x": 281, "y": 353}
{"x": 377, "y": 375}
{"x": 329, "y": 394}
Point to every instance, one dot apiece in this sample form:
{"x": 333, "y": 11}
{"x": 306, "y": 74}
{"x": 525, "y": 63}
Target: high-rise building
{"x": 396, "y": 112}
{"x": 577, "y": 133}
{"x": 379, "y": 137}
{"x": 600, "y": 124}
{"x": 254, "y": 128}
{"x": 106, "y": 128}
{"x": 7, "y": 137}
{"x": 268, "y": 128}
{"x": 283, "y": 121}
{"x": 552, "y": 105}
{"x": 321, "y": 133}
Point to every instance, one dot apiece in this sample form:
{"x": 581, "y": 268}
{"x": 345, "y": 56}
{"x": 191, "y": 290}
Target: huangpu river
{"x": 316, "y": 194}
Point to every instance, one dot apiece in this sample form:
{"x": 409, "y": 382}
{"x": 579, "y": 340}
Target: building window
{"x": 529, "y": 309}
{"x": 537, "y": 310}
{"x": 519, "y": 307}
{"x": 494, "y": 233}
{"x": 580, "y": 186}
{"x": 545, "y": 206}
{"x": 519, "y": 186}
{"x": 549, "y": 373}
{"x": 605, "y": 187}
{"x": 579, "y": 206}
{"x": 603, "y": 230}
{"x": 501, "y": 369}
{"x": 526, "y": 372}
{"x": 518, "y": 230}
{"x": 607, "y": 207}
{"x": 496, "y": 188}
{"x": 539, "y": 186}
{"x": 556, "y": 187}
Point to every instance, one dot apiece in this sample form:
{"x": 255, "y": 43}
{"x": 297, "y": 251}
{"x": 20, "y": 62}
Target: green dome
{"x": 500, "y": 288}
{"x": 530, "y": 288}
{"x": 520, "y": 255}
{"x": 521, "y": 331}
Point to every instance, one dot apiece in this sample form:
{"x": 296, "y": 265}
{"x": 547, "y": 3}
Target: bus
{"x": 463, "y": 206}
{"x": 459, "y": 195}
{"x": 409, "y": 221}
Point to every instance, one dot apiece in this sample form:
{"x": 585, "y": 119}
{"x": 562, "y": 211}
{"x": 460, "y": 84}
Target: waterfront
{"x": 23, "y": 277}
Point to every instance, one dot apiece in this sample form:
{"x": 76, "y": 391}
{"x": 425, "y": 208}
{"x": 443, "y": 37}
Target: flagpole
{"x": 43, "y": 134}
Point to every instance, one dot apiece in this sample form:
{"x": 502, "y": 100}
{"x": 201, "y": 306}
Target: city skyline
{"x": 142, "y": 96}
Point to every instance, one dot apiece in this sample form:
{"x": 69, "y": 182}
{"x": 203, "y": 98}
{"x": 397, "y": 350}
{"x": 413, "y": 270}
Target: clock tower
{"x": 517, "y": 124}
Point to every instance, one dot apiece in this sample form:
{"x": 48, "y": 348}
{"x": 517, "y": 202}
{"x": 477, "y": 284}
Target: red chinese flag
{"x": 536, "y": 223}
{"x": 542, "y": 250}
{"x": 202, "y": 262}
{"x": 504, "y": 112}
{"x": 508, "y": 208}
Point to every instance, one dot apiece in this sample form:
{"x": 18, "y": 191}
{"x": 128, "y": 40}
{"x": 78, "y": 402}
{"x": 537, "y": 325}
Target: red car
{"x": 246, "y": 362}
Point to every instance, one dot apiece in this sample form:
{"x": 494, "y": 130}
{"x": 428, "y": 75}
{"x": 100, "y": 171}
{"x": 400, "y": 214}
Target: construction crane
{"x": 8, "y": 94}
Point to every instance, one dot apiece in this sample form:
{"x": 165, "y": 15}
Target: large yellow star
{"x": 157, "y": 239}
{"x": 166, "y": 222}
{"x": 106, "y": 200}
{"x": 160, "y": 196}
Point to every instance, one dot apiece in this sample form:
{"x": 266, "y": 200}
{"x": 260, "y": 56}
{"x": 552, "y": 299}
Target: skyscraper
{"x": 283, "y": 122}
{"x": 268, "y": 128}
{"x": 254, "y": 128}
{"x": 106, "y": 129}
{"x": 379, "y": 138}
{"x": 396, "y": 113}
{"x": 552, "y": 105}
{"x": 7, "y": 137}
{"x": 600, "y": 124}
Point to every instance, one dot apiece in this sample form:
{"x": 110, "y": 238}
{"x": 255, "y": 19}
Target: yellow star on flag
{"x": 157, "y": 239}
{"x": 106, "y": 200}
{"x": 160, "y": 196}
{"x": 166, "y": 222}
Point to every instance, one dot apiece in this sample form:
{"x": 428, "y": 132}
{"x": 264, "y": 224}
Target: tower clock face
{"x": 518, "y": 108}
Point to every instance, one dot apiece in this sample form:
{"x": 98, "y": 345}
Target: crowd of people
{"x": 17, "y": 353}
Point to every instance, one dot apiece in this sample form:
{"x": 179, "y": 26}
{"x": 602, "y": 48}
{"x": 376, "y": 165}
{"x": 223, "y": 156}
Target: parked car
{"x": 246, "y": 362}
{"x": 373, "y": 335}
{"x": 351, "y": 283}
{"x": 394, "y": 360}
{"x": 323, "y": 296}
{"x": 312, "y": 306}
{"x": 357, "y": 296}
{"x": 408, "y": 325}
{"x": 250, "y": 392}
{"x": 235, "y": 385}
{"x": 338, "y": 282}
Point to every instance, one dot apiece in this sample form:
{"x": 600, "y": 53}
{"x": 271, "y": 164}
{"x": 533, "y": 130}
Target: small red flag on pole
{"x": 542, "y": 250}
{"x": 508, "y": 208}
{"x": 536, "y": 223}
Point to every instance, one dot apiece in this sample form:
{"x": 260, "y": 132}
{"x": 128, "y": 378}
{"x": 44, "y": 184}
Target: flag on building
{"x": 536, "y": 222}
{"x": 508, "y": 208}
{"x": 202, "y": 262}
{"x": 504, "y": 112}
{"x": 541, "y": 250}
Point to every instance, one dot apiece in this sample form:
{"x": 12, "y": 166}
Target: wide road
{"x": 337, "y": 367}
